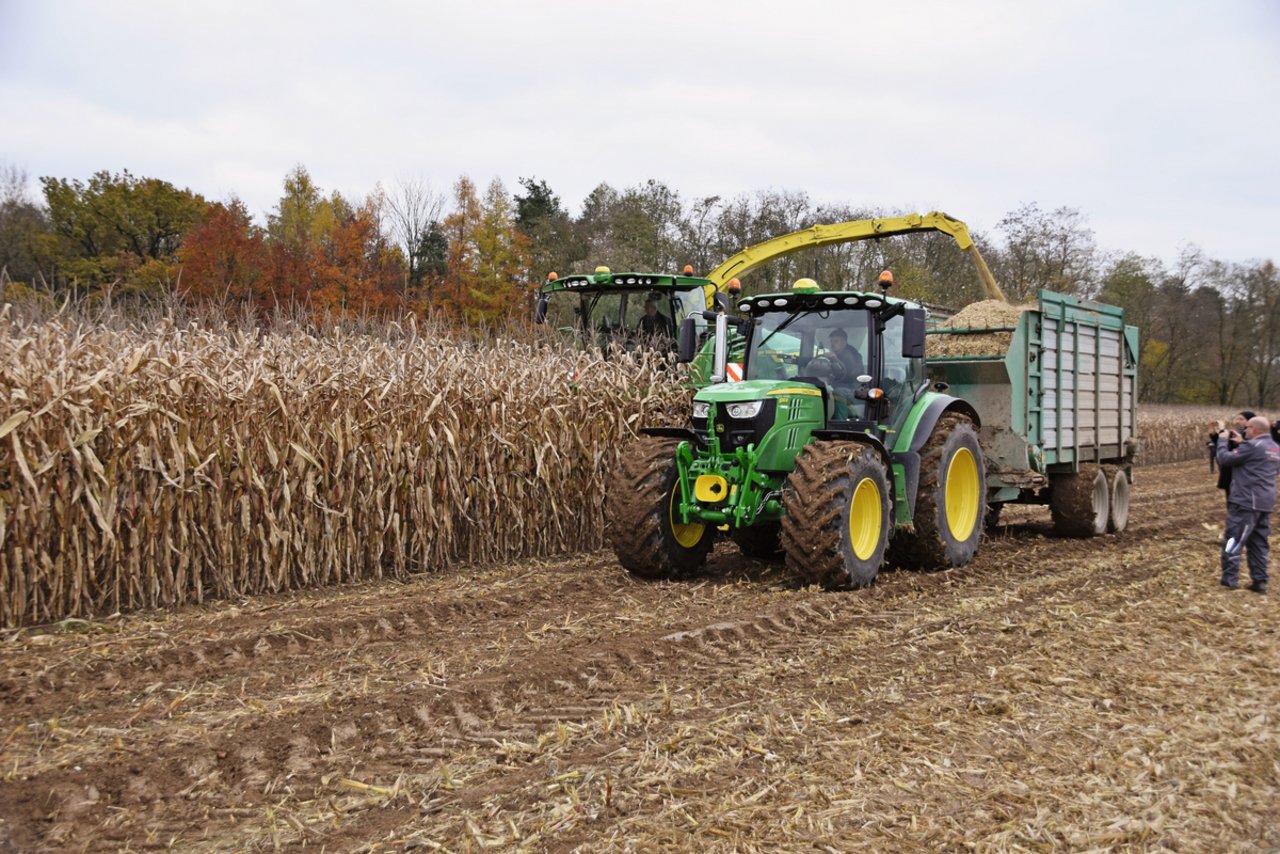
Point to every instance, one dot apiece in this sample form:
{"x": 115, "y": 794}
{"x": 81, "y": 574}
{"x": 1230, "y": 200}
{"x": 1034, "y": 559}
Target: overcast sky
{"x": 1159, "y": 121}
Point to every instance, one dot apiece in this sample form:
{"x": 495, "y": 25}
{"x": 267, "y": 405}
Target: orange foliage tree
{"x": 487, "y": 273}
{"x": 224, "y": 258}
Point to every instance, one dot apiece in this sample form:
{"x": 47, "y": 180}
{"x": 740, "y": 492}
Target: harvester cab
{"x": 630, "y": 310}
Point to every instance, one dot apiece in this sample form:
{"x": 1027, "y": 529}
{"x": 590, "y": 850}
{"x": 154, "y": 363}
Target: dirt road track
{"x": 1055, "y": 693}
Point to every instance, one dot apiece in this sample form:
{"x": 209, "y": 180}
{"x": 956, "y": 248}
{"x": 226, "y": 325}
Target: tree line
{"x": 1210, "y": 327}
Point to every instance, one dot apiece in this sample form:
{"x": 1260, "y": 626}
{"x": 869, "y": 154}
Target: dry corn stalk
{"x": 150, "y": 468}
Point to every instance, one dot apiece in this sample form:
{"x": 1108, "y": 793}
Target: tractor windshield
{"x": 630, "y": 317}
{"x": 829, "y": 345}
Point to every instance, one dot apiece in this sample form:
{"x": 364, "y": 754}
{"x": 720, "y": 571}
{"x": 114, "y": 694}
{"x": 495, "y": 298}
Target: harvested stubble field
{"x": 1054, "y": 695}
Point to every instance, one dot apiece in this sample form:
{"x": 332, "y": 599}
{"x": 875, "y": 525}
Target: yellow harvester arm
{"x": 845, "y": 232}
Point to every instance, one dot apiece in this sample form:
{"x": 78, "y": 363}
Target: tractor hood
{"x": 753, "y": 390}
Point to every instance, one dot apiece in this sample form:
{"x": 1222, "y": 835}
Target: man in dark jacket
{"x": 1255, "y": 465}
{"x": 1232, "y": 439}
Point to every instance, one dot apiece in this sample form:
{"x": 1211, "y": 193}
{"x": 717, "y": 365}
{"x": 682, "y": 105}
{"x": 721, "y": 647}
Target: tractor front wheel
{"x": 642, "y": 522}
{"x": 837, "y": 517}
{"x": 951, "y": 501}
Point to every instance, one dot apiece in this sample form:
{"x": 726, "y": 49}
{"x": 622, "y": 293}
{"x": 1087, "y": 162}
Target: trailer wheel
{"x": 1080, "y": 502}
{"x": 951, "y": 502}
{"x": 641, "y": 523}
{"x": 837, "y": 517}
{"x": 1118, "y": 514}
{"x": 762, "y": 541}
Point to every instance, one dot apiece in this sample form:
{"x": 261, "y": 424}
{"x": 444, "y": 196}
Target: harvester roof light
{"x": 873, "y": 303}
{"x": 688, "y": 269}
{"x": 602, "y": 269}
{"x": 850, "y": 300}
{"x": 764, "y": 303}
{"x": 779, "y": 303}
{"x": 804, "y": 285}
{"x": 734, "y": 286}
{"x": 631, "y": 280}
{"x": 830, "y": 301}
{"x": 875, "y": 393}
{"x": 744, "y": 306}
{"x": 552, "y": 276}
{"x": 886, "y": 281}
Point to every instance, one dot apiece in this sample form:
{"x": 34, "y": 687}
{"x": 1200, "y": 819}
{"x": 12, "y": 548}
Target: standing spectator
{"x": 1252, "y": 497}
{"x": 1232, "y": 439}
{"x": 1216, "y": 427}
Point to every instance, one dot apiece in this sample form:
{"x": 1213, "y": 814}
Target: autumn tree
{"x": 225, "y": 258}
{"x": 119, "y": 228}
{"x": 488, "y": 260}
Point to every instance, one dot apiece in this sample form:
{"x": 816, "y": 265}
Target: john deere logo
{"x": 719, "y": 428}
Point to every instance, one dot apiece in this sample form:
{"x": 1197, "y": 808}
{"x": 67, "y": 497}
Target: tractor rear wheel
{"x": 1081, "y": 502}
{"x": 837, "y": 517}
{"x": 951, "y": 501}
{"x": 762, "y": 540}
{"x": 641, "y": 520}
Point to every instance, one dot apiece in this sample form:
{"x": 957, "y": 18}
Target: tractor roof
{"x": 814, "y": 300}
{"x": 605, "y": 279}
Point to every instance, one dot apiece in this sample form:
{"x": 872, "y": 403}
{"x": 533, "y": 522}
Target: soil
{"x": 1053, "y": 694}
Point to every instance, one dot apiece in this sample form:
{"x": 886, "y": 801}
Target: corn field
{"x": 152, "y": 467}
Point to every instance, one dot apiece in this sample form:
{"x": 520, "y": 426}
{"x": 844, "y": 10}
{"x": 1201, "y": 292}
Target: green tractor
{"x": 833, "y": 442}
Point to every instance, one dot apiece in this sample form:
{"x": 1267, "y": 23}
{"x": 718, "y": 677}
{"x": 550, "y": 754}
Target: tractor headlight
{"x": 745, "y": 410}
{"x": 701, "y": 409}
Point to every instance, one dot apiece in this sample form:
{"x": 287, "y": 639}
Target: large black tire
{"x": 837, "y": 517}
{"x": 1081, "y": 502}
{"x": 1118, "y": 495}
{"x": 638, "y": 523}
{"x": 951, "y": 500}
{"x": 762, "y": 540}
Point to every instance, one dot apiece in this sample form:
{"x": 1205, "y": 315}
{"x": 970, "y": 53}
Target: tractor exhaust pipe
{"x": 719, "y": 369}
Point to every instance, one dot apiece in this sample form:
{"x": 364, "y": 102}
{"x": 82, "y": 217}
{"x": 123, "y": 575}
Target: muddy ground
{"x": 1055, "y": 694}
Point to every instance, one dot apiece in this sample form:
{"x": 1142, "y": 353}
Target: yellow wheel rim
{"x": 963, "y": 500}
{"x": 687, "y": 536}
{"x": 864, "y": 519}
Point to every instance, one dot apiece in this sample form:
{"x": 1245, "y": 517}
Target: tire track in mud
{"x": 572, "y": 678}
{"x": 982, "y": 621}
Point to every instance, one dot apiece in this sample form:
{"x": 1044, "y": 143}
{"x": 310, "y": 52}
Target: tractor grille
{"x": 740, "y": 432}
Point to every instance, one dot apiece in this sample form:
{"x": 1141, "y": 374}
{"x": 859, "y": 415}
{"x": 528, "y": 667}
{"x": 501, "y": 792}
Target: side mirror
{"x": 687, "y": 347}
{"x": 540, "y": 311}
{"x": 913, "y": 333}
{"x": 722, "y": 301}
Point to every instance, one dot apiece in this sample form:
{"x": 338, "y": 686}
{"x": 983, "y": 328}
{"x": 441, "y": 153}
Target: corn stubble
{"x": 145, "y": 468}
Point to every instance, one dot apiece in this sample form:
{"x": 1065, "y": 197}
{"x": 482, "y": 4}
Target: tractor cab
{"x": 862, "y": 354}
{"x": 630, "y": 310}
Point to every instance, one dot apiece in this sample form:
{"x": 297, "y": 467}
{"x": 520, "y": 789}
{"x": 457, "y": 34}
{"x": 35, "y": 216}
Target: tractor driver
{"x": 849, "y": 357}
{"x": 652, "y": 324}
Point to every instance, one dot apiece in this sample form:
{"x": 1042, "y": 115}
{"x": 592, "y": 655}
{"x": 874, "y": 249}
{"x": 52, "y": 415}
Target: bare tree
{"x": 413, "y": 207}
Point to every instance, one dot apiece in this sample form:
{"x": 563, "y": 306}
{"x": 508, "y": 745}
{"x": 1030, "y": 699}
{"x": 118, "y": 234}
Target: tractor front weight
{"x": 724, "y": 489}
